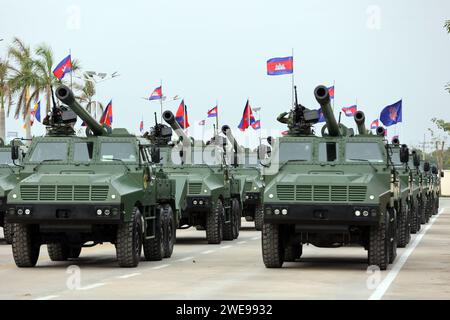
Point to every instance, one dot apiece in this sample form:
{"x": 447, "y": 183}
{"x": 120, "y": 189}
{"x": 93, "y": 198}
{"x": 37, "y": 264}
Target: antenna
{"x": 156, "y": 119}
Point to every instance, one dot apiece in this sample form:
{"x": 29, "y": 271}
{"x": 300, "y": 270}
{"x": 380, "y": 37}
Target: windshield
{"x": 124, "y": 151}
{"x": 328, "y": 152}
{"x": 396, "y": 157}
{"x": 363, "y": 151}
{"x": 301, "y": 151}
{"x": 49, "y": 151}
{"x": 5, "y": 157}
{"x": 83, "y": 151}
{"x": 252, "y": 160}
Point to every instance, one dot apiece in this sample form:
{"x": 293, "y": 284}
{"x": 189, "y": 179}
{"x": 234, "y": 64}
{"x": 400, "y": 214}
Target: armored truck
{"x": 84, "y": 191}
{"x": 245, "y": 167}
{"x": 204, "y": 196}
{"x": 328, "y": 191}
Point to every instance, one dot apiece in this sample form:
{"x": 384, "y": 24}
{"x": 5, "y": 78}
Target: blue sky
{"x": 377, "y": 52}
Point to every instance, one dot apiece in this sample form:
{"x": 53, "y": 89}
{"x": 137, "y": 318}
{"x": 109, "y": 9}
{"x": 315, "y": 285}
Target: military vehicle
{"x": 8, "y": 180}
{"x": 419, "y": 217}
{"x": 245, "y": 167}
{"x": 427, "y": 179}
{"x": 328, "y": 191}
{"x": 204, "y": 196}
{"x": 84, "y": 191}
{"x": 407, "y": 214}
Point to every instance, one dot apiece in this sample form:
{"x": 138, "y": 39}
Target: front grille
{"x": 194, "y": 188}
{"x": 308, "y": 193}
{"x": 64, "y": 193}
{"x": 285, "y": 193}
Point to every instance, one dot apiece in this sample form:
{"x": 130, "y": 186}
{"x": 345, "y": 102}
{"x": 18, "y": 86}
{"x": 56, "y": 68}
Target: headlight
{"x": 20, "y": 212}
{"x": 107, "y": 212}
{"x": 14, "y": 196}
{"x": 357, "y": 213}
{"x": 99, "y": 212}
{"x": 27, "y": 212}
{"x": 284, "y": 212}
{"x": 271, "y": 196}
{"x": 195, "y": 202}
{"x": 200, "y": 202}
{"x": 365, "y": 213}
{"x": 276, "y": 211}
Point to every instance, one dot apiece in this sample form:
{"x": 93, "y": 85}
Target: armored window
{"x": 83, "y": 151}
{"x": 363, "y": 151}
{"x": 328, "y": 152}
{"x": 5, "y": 157}
{"x": 113, "y": 151}
{"x": 295, "y": 151}
{"x": 49, "y": 151}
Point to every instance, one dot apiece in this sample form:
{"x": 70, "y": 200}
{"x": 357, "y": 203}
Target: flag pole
{"x": 161, "y": 102}
{"x": 217, "y": 118}
{"x": 293, "y": 80}
{"x": 334, "y": 92}
{"x": 71, "y": 71}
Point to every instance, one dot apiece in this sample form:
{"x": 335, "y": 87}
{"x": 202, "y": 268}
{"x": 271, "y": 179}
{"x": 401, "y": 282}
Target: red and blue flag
{"x": 65, "y": 66}
{"x": 202, "y": 122}
{"x": 331, "y": 91}
{"x": 392, "y": 114}
{"x": 247, "y": 118}
{"x": 107, "y": 116}
{"x": 350, "y": 111}
{"x": 156, "y": 94}
{"x": 36, "y": 113}
{"x": 213, "y": 112}
{"x": 279, "y": 66}
{"x": 181, "y": 116}
{"x": 141, "y": 126}
{"x": 375, "y": 124}
{"x": 256, "y": 125}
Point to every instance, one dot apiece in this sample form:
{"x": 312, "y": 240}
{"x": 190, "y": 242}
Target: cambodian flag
{"x": 141, "y": 126}
{"x": 350, "y": 111}
{"x": 247, "y": 118}
{"x": 213, "y": 112}
{"x": 107, "y": 116}
{"x": 279, "y": 66}
{"x": 256, "y": 125}
{"x": 331, "y": 91}
{"x": 36, "y": 113}
{"x": 202, "y": 123}
{"x": 156, "y": 94}
{"x": 63, "y": 67}
{"x": 375, "y": 124}
{"x": 392, "y": 114}
{"x": 181, "y": 116}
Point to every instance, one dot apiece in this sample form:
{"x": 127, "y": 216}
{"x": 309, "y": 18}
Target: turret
{"x": 160, "y": 134}
{"x": 323, "y": 98}
{"x": 226, "y": 130}
{"x": 66, "y": 96}
{"x": 360, "y": 119}
{"x": 170, "y": 119}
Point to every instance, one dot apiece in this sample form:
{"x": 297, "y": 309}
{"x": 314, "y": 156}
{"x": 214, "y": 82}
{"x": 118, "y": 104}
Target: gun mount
{"x": 226, "y": 130}
{"x": 66, "y": 96}
{"x": 160, "y": 134}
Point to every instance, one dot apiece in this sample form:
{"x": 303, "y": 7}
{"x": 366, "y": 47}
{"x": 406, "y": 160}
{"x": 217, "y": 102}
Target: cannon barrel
{"x": 323, "y": 98}
{"x": 226, "y": 130}
{"x": 380, "y": 131}
{"x": 360, "y": 120}
{"x": 170, "y": 119}
{"x": 396, "y": 141}
{"x": 66, "y": 96}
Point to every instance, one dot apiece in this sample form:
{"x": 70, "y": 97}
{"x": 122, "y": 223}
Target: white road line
{"x": 256, "y": 238}
{"x": 130, "y": 275}
{"x": 385, "y": 284}
{"x": 47, "y": 298}
{"x": 242, "y": 242}
{"x": 161, "y": 267}
{"x": 226, "y": 247}
{"x": 92, "y": 286}
{"x": 208, "y": 251}
{"x": 184, "y": 259}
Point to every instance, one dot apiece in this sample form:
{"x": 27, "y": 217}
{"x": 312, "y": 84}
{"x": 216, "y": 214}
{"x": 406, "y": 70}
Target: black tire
{"x": 129, "y": 241}
{"x": 272, "y": 246}
{"x": 8, "y": 232}
{"x": 25, "y": 248}
{"x": 154, "y": 249}
{"x": 229, "y": 226}
{"x": 259, "y": 218}
{"x": 237, "y": 213}
{"x": 214, "y": 224}
{"x": 403, "y": 230}
{"x": 58, "y": 251}
{"x": 415, "y": 223}
{"x": 293, "y": 252}
{"x": 74, "y": 252}
{"x": 392, "y": 236}
{"x": 423, "y": 205}
{"x": 378, "y": 251}
{"x": 428, "y": 210}
{"x": 169, "y": 231}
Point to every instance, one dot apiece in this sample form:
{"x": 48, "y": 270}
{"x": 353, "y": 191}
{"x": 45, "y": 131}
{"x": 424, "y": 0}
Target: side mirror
{"x": 426, "y": 167}
{"x": 156, "y": 155}
{"x": 14, "y": 152}
{"x": 434, "y": 170}
{"x": 416, "y": 160}
{"x": 442, "y": 174}
{"x": 404, "y": 154}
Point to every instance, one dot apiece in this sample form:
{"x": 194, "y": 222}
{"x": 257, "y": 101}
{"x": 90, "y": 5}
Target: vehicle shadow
{"x": 328, "y": 263}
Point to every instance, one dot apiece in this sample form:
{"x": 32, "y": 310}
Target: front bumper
{"x": 322, "y": 214}
{"x": 64, "y": 213}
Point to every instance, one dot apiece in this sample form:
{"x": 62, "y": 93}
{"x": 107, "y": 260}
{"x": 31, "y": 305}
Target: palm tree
{"x": 87, "y": 94}
{"x": 5, "y": 95}
{"x": 23, "y": 81}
